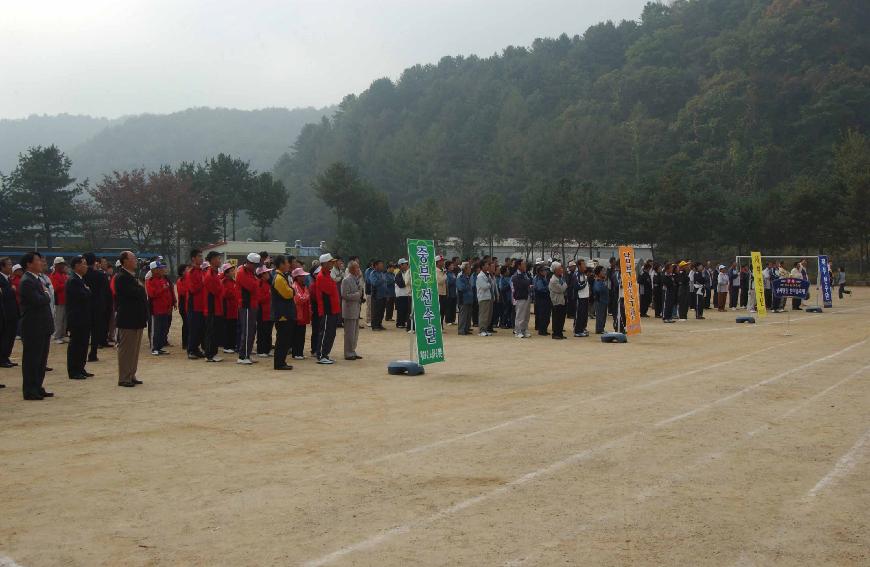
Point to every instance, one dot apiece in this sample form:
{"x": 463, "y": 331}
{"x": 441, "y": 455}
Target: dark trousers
{"x": 98, "y": 331}
{"x": 668, "y": 301}
{"x": 7, "y": 338}
{"x": 449, "y": 313}
{"x": 195, "y": 330}
{"x": 264, "y": 337}
{"x": 378, "y": 307}
{"x": 442, "y": 305}
{"x": 33, "y": 362}
{"x": 159, "y": 328}
{"x": 700, "y": 302}
{"x": 600, "y": 316}
{"x": 645, "y": 300}
{"x": 795, "y": 303}
{"x": 77, "y": 350}
{"x": 475, "y": 313}
{"x": 732, "y": 300}
{"x": 657, "y": 301}
{"x": 542, "y": 313}
{"x": 328, "y": 323}
{"x": 184, "y": 330}
{"x": 464, "y": 319}
{"x": 315, "y": 330}
{"x": 768, "y": 299}
{"x": 248, "y": 328}
{"x": 390, "y": 306}
{"x": 231, "y": 334}
{"x": 497, "y": 308}
{"x": 403, "y": 309}
{"x": 297, "y": 339}
{"x": 507, "y": 312}
{"x": 683, "y": 301}
{"x": 581, "y": 316}
{"x": 283, "y": 341}
{"x": 211, "y": 334}
{"x": 744, "y": 296}
{"x": 619, "y": 316}
{"x": 559, "y": 312}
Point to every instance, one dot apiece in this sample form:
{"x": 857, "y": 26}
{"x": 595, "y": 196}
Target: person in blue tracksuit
{"x": 465, "y": 295}
{"x": 542, "y": 301}
{"x": 601, "y": 295}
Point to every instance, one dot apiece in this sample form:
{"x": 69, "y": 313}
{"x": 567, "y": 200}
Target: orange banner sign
{"x": 630, "y": 294}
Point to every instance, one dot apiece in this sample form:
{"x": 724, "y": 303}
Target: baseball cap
{"x": 324, "y": 258}
{"x": 17, "y": 267}
{"x": 438, "y": 258}
{"x": 402, "y": 261}
{"x": 263, "y": 270}
{"x": 226, "y": 267}
{"x": 253, "y": 258}
{"x": 58, "y": 260}
{"x": 298, "y": 272}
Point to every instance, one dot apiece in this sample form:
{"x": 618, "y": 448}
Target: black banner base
{"x": 408, "y": 367}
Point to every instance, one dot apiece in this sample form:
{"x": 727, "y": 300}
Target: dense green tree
{"x": 40, "y": 188}
{"x": 230, "y": 180}
{"x": 265, "y": 201}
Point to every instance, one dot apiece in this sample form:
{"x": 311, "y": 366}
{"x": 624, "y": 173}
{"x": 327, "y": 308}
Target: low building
{"x": 518, "y": 248}
{"x": 235, "y": 251}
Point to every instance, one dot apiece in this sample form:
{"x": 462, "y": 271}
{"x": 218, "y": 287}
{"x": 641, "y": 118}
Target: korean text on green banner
{"x": 427, "y": 313}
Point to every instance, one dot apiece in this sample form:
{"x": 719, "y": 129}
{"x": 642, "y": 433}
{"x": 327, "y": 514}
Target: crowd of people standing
{"x": 262, "y": 307}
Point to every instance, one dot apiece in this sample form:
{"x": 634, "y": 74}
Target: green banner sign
{"x": 424, "y": 300}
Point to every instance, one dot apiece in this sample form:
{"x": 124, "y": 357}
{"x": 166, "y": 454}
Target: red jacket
{"x": 214, "y": 302}
{"x": 159, "y": 294}
{"x": 302, "y": 297}
{"x": 58, "y": 282}
{"x": 264, "y": 301}
{"x": 328, "y": 300}
{"x": 181, "y": 290}
{"x": 194, "y": 282}
{"x": 16, "y": 283}
{"x": 231, "y": 298}
{"x": 249, "y": 286}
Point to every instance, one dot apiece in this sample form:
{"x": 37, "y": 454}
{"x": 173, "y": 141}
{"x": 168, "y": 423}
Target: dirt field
{"x": 699, "y": 443}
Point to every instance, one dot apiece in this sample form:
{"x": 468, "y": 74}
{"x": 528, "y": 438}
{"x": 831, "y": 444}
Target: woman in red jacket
{"x": 231, "y": 299}
{"x": 264, "y": 303}
{"x": 302, "y": 297}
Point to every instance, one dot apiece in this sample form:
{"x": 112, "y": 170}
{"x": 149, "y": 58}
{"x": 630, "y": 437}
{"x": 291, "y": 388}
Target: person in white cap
{"x": 249, "y": 285}
{"x": 58, "y": 282}
{"x": 329, "y": 308}
{"x": 403, "y": 295}
{"x": 160, "y": 299}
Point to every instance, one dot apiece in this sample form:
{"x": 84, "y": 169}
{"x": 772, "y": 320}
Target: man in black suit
{"x": 37, "y": 326}
{"x": 96, "y": 281}
{"x": 8, "y": 315}
{"x": 132, "y": 317}
{"x": 79, "y": 313}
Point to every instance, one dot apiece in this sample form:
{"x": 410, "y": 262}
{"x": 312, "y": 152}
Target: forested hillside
{"x": 704, "y": 123}
{"x": 151, "y": 140}
{"x": 63, "y": 130}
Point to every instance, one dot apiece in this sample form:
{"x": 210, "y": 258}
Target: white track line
{"x": 7, "y": 562}
{"x": 377, "y": 539}
{"x": 674, "y": 478}
{"x": 755, "y": 386}
{"x": 843, "y": 467}
{"x": 810, "y": 400}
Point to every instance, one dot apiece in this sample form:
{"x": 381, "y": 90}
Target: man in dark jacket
{"x": 97, "y": 282}
{"x": 8, "y": 314}
{"x": 37, "y": 326}
{"x": 79, "y": 320}
{"x": 132, "y": 318}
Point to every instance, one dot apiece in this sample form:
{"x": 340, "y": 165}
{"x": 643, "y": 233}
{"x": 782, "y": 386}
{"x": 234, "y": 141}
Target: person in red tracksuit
{"x": 58, "y": 279}
{"x": 231, "y": 299}
{"x": 329, "y": 308}
{"x": 181, "y": 292}
{"x": 264, "y": 304}
{"x": 196, "y": 296}
{"x": 160, "y": 298}
{"x": 249, "y": 288}
{"x": 214, "y": 307}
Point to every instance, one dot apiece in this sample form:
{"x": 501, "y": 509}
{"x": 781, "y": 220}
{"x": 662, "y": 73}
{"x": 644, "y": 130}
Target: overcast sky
{"x": 115, "y": 57}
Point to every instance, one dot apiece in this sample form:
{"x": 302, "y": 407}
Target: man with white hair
{"x": 249, "y": 285}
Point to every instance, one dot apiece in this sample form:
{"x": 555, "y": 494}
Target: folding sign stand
{"x": 410, "y": 367}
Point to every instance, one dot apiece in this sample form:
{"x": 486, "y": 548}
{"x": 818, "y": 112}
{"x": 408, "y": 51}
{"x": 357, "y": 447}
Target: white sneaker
{"x": 483, "y": 334}
{"x": 244, "y": 361}
{"x": 518, "y": 335}
{"x": 155, "y": 352}
{"x": 325, "y": 361}
{"x": 262, "y": 355}
{"x": 298, "y": 358}
{"x": 214, "y": 359}
{"x": 229, "y": 351}
{"x": 58, "y": 341}
{"x": 527, "y": 335}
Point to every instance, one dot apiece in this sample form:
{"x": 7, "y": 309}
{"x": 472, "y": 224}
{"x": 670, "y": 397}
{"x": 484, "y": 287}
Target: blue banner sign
{"x": 825, "y": 277}
{"x": 791, "y": 287}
